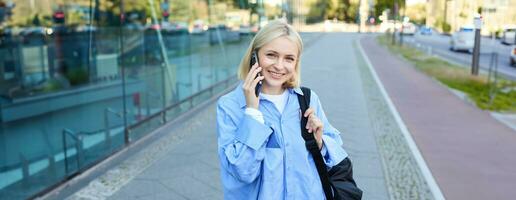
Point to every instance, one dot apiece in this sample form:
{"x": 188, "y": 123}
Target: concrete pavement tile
{"x": 145, "y": 189}
{"x": 189, "y": 186}
{"x": 373, "y": 188}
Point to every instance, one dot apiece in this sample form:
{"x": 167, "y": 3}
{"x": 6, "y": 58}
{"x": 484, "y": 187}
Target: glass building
{"x": 80, "y": 80}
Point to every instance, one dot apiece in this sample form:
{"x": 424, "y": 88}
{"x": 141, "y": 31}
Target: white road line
{"x": 427, "y": 174}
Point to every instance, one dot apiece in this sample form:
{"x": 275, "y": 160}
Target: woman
{"x": 261, "y": 150}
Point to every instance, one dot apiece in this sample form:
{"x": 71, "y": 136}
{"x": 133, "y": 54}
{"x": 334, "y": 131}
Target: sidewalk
{"x": 470, "y": 154}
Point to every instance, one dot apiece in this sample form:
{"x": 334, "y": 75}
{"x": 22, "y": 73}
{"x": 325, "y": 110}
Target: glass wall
{"x": 81, "y": 79}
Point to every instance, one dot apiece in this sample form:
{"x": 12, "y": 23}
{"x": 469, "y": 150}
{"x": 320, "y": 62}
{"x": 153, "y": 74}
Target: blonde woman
{"x": 261, "y": 151}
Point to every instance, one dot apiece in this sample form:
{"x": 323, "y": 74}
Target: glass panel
{"x": 76, "y": 76}
{"x": 59, "y": 71}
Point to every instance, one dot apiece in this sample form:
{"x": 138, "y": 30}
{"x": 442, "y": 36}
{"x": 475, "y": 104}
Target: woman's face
{"x": 278, "y": 61}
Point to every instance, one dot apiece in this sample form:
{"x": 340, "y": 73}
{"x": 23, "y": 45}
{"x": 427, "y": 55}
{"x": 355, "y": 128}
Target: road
{"x": 440, "y": 45}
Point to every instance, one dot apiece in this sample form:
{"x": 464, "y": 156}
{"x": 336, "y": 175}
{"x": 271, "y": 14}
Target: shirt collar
{"x": 241, "y": 97}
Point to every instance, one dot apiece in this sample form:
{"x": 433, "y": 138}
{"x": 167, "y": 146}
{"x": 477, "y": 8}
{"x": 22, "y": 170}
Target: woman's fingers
{"x": 255, "y": 81}
{"x": 314, "y": 125}
{"x": 309, "y": 112}
{"x": 251, "y": 75}
{"x": 251, "y": 79}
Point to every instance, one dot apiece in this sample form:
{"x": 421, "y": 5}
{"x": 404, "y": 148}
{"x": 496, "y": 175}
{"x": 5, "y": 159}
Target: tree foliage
{"x": 342, "y": 10}
{"x": 382, "y": 5}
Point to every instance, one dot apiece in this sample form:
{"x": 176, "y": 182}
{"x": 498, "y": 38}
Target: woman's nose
{"x": 279, "y": 63}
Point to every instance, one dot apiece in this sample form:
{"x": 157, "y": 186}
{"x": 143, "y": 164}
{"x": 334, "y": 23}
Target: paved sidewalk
{"x": 470, "y": 154}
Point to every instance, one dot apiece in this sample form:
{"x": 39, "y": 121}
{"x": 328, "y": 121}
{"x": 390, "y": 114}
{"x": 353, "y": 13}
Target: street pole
{"x": 476, "y": 47}
{"x": 401, "y": 32}
{"x": 394, "y": 28}
{"x": 445, "y": 13}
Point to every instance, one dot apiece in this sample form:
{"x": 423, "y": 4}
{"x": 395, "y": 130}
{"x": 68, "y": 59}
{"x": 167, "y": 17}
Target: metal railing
{"x": 107, "y": 129}
{"x": 78, "y": 146}
{"x": 190, "y": 100}
{"x": 492, "y": 76}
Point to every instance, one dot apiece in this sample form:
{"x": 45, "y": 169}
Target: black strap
{"x": 311, "y": 144}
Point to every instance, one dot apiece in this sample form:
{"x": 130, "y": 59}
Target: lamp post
{"x": 395, "y": 14}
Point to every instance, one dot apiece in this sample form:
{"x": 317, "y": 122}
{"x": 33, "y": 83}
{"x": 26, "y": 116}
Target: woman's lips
{"x": 276, "y": 75}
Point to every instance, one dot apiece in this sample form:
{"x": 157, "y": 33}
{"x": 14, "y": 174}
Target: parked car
{"x": 425, "y": 30}
{"x": 199, "y": 27}
{"x": 463, "y": 39}
{"x": 85, "y": 28}
{"x": 136, "y": 27}
{"x": 5, "y": 35}
{"x": 408, "y": 29}
{"x": 35, "y": 35}
{"x": 244, "y": 30}
{"x": 513, "y": 56}
{"x": 508, "y": 36}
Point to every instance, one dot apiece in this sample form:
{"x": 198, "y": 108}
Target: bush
{"x": 77, "y": 76}
{"x": 446, "y": 27}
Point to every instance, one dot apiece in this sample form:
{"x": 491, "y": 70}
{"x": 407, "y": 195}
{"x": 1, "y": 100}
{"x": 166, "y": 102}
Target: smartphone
{"x": 254, "y": 59}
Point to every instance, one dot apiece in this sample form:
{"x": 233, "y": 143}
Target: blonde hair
{"x": 274, "y": 29}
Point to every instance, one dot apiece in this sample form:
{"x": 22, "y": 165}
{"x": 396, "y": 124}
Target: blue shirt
{"x": 269, "y": 160}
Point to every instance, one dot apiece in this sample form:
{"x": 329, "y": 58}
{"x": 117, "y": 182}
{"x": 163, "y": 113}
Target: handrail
{"x": 107, "y": 130}
{"x": 181, "y": 84}
{"x": 147, "y": 95}
{"x": 46, "y": 156}
{"x": 78, "y": 146}
{"x": 174, "y": 105}
{"x": 199, "y": 80}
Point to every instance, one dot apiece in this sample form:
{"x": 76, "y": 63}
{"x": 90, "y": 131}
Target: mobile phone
{"x": 254, "y": 59}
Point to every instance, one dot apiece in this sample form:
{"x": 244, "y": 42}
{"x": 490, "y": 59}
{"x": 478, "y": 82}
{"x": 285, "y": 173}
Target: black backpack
{"x": 338, "y": 182}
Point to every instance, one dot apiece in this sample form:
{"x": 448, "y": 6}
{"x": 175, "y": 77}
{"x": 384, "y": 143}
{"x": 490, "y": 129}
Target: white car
{"x": 509, "y": 36}
{"x": 463, "y": 39}
{"x": 199, "y": 27}
{"x": 408, "y": 29}
{"x": 513, "y": 56}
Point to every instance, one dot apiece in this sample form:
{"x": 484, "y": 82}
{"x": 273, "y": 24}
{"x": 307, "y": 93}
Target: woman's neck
{"x": 272, "y": 90}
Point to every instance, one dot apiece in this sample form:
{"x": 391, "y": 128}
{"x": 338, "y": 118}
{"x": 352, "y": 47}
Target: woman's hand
{"x": 315, "y": 126}
{"x": 249, "y": 86}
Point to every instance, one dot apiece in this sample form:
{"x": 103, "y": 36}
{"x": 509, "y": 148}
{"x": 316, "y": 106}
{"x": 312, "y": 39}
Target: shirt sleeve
{"x": 241, "y": 141}
{"x": 332, "y": 150}
{"x": 255, "y": 114}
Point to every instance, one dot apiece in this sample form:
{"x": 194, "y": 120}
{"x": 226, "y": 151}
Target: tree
{"x": 416, "y": 13}
{"x": 343, "y": 10}
{"x": 382, "y": 5}
{"x": 36, "y": 21}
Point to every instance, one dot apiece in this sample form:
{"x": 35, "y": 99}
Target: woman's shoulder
{"x": 313, "y": 95}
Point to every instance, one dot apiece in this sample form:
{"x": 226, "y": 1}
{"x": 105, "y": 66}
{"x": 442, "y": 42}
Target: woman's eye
{"x": 271, "y": 55}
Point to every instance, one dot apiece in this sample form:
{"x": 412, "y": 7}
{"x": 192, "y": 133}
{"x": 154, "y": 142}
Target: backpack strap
{"x": 311, "y": 144}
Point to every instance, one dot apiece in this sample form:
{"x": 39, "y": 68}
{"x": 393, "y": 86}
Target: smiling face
{"x": 278, "y": 60}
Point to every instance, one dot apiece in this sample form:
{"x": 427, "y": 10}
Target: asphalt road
{"x": 440, "y": 45}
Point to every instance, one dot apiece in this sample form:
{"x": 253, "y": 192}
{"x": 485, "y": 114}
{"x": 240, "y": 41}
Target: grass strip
{"x": 500, "y": 97}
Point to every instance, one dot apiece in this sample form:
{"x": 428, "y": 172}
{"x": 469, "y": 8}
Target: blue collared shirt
{"x": 269, "y": 160}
